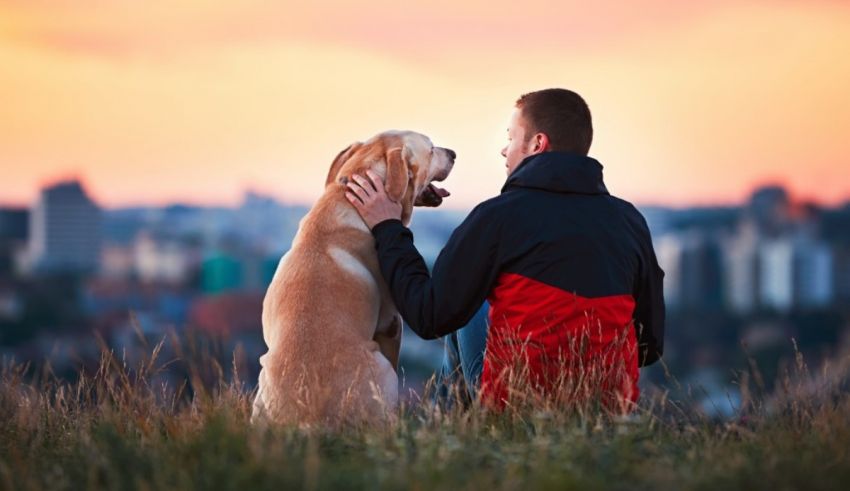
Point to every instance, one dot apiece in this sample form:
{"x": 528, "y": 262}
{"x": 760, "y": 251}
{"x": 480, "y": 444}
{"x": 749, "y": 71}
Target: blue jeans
{"x": 463, "y": 358}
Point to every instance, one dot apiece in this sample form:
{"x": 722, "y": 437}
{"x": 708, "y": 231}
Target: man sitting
{"x": 569, "y": 271}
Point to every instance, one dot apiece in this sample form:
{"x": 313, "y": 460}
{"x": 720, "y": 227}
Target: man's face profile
{"x": 520, "y": 145}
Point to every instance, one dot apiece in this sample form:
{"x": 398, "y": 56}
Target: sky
{"x": 694, "y": 103}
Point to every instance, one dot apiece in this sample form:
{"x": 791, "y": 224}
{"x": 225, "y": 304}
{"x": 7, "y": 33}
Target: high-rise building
{"x": 742, "y": 271}
{"x": 777, "y": 274}
{"x": 692, "y": 265}
{"x": 814, "y": 267}
{"x": 796, "y": 272}
{"x": 65, "y": 230}
{"x": 668, "y": 250}
{"x": 701, "y": 269}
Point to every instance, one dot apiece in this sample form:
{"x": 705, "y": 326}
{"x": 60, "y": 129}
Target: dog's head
{"x": 408, "y": 162}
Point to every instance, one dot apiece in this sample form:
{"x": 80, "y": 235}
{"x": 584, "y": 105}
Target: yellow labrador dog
{"x": 332, "y": 330}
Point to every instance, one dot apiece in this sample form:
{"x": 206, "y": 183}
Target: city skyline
{"x": 770, "y": 252}
{"x": 246, "y": 193}
{"x": 152, "y": 103}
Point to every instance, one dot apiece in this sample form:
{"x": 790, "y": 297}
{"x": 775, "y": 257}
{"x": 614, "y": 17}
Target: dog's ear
{"x": 340, "y": 159}
{"x": 397, "y": 173}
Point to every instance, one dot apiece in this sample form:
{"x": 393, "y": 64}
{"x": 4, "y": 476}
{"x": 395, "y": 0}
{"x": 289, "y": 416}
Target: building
{"x": 692, "y": 264}
{"x": 160, "y": 258}
{"x": 65, "y": 230}
{"x": 741, "y": 272}
{"x": 814, "y": 267}
{"x": 14, "y": 230}
{"x": 117, "y": 261}
{"x": 770, "y": 210}
{"x": 796, "y": 272}
{"x": 701, "y": 265}
{"x": 668, "y": 251}
{"x": 776, "y": 264}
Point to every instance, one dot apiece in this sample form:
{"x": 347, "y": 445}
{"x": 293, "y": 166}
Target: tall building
{"x": 668, "y": 250}
{"x": 777, "y": 274}
{"x": 65, "y": 230}
{"x": 796, "y": 272}
{"x": 742, "y": 271}
{"x": 692, "y": 264}
{"x": 701, "y": 269}
{"x": 814, "y": 268}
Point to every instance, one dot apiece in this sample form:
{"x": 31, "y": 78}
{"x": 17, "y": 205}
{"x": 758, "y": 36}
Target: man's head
{"x": 548, "y": 120}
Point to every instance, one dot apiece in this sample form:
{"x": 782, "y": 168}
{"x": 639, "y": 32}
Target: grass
{"x": 116, "y": 428}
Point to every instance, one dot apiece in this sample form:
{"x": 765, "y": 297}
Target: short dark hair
{"x": 562, "y": 115}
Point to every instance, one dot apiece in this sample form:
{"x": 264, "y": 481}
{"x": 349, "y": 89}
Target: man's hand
{"x": 370, "y": 199}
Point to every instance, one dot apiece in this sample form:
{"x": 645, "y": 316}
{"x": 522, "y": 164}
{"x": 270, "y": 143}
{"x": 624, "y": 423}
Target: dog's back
{"x": 319, "y": 318}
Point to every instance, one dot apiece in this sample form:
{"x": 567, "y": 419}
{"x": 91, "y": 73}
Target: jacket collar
{"x": 560, "y": 172}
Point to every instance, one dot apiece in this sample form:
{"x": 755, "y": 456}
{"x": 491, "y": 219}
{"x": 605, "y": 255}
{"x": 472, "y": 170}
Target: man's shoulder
{"x": 492, "y": 205}
{"x": 487, "y": 215}
{"x": 633, "y": 217}
{"x": 628, "y": 209}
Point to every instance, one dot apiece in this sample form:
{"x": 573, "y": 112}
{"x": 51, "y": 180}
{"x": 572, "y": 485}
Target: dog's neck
{"x": 347, "y": 215}
{"x": 380, "y": 170}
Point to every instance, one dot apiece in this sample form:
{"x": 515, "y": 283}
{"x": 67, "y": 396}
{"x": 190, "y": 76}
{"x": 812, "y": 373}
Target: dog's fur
{"x": 332, "y": 330}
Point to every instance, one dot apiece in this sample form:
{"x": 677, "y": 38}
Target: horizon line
{"x": 843, "y": 203}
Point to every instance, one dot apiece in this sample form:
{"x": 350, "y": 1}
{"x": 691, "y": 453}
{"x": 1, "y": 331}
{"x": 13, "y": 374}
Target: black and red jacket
{"x": 555, "y": 255}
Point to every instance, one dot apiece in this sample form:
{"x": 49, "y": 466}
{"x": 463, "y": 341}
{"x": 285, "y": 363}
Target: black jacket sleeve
{"x": 463, "y": 273}
{"x": 649, "y": 298}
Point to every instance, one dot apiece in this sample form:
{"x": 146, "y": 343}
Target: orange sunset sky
{"x": 151, "y": 102}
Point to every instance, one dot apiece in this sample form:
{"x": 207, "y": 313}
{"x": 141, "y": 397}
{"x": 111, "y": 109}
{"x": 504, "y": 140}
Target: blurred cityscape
{"x": 72, "y": 273}
{"x": 740, "y": 281}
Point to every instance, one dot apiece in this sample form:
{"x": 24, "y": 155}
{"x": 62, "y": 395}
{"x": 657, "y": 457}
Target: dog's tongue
{"x": 431, "y": 196}
{"x": 439, "y": 191}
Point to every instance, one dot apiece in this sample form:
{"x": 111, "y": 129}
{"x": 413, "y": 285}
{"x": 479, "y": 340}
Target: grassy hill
{"x": 118, "y": 429}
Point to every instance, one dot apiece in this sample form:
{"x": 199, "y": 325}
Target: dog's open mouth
{"x": 432, "y": 195}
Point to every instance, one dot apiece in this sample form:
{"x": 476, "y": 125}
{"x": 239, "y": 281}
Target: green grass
{"x": 114, "y": 429}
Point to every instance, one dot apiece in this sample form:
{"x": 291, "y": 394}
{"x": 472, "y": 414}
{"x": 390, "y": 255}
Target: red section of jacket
{"x": 564, "y": 346}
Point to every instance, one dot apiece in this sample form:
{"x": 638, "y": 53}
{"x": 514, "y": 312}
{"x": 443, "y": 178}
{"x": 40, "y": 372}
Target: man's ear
{"x": 541, "y": 143}
{"x": 340, "y": 159}
{"x": 397, "y": 174}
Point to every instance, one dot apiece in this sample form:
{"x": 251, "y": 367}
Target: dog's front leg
{"x": 389, "y": 340}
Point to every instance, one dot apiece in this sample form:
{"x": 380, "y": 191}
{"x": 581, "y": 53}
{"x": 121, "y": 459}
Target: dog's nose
{"x": 451, "y": 153}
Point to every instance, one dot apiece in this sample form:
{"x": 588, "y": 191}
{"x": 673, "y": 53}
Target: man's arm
{"x": 649, "y": 308}
{"x": 463, "y": 274}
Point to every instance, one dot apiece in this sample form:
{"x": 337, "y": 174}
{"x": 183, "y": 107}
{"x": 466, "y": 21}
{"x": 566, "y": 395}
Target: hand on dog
{"x": 370, "y": 199}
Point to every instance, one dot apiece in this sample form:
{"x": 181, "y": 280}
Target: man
{"x": 569, "y": 271}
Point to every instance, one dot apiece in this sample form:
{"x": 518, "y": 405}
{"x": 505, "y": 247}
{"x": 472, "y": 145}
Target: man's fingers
{"x": 376, "y": 181}
{"x": 361, "y": 193}
{"x": 367, "y": 184}
{"x": 355, "y": 200}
